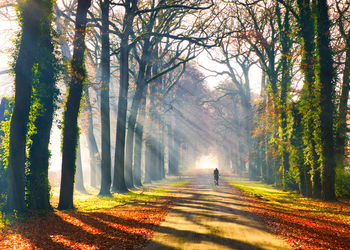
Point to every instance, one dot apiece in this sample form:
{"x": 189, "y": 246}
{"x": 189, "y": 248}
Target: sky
{"x": 213, "y": 81}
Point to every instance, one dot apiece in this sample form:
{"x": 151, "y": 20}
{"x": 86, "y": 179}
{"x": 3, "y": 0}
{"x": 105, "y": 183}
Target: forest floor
{"x": 124, "y": 221}
{"x": 187, "y": 213}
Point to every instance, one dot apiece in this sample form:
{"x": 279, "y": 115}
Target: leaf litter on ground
{"x": 304, "y": 222}
{"x": 124, "y": 221}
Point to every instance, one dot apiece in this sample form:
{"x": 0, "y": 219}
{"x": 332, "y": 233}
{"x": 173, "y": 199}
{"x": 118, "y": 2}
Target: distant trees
{"x": 298, "y": 124}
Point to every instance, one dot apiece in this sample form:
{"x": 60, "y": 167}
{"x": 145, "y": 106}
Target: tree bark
{"x": 139, "y": 93}
{"x": 105, "y": 111}
{"x": 119, "y": 161}
{"x": 46, "y": 93}
{"x": 138, "y": 146}
{"x": 308, "y": 96}
{"x": 4, "y": 106}
{"x": 70, "y": 123}
{"x": 325, "y": 76}
{"x": 171, "y": 168}
{"x": 30, "y": 14}
{"x": 284, "y": 30}
{"x": 79, "y": 182}
{"x": 131, "y": 132}
{"x": 341, "y": 138}
{"x": 95, "y": 165}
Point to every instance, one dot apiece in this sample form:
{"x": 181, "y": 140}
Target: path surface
{"x": 209, "y": 217}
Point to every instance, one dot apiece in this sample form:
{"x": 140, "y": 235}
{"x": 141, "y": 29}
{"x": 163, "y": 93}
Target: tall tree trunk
{"x": 92, "y": 145}
{"x": 119, "y": 161}
{"x": 325, "y": 76}
{"x": 138, "y": 145}
{"x": 4, "y": 106}
{"x": 139, "y": 93}
{"x": 151, "y": 147}
{"x": 308, "y": 96}
{"x": 148, "y": 144}
{"x": 341, "y": 138}
{"x": 171, "y": 168}
{"x": 105, "y": 112}
{"x": 79, "y": 182}
{"x": 30, "y": 20}
{"x": 70, "y": 123}
{"x": 297, "y": 153}
{"x": 46, "y": 94}
{"x": 284, "y": 30}
{"x": 131, "y": 132}
{"x": 162, "y": 150}
{"x": 176, "y": 148}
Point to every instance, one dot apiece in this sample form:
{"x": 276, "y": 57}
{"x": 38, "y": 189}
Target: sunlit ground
{"x": 209, "y": 161}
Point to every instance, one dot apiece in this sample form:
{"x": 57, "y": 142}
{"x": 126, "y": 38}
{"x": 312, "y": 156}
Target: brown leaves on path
{"x": 305, "y": 224}
{"x": 125, "y": 227}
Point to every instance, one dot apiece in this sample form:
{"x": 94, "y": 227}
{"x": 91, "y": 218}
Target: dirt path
{"x": 209, "y": 217}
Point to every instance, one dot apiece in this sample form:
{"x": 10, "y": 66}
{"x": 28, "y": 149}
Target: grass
{"x": 181, "y": 183}
{"x": 91, "y": 202}
{"x": 261, "y": 190}
{"x": 305, "y": 223}
{"x": 288, "y": 200}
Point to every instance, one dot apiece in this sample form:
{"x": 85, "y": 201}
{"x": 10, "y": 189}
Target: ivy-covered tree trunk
{"x": 297, "y": 152}
{"x": 70, "y": 122}
{"x": 286, "y": 44}
{"x": 308, "y": 98}
{"x": 45, "y": 94}
{"x": 30, "y": 22}
{"x": 341, "y": 138}
{"x": 119, "y": 160}
{"x": 4, "y": 116}
{"x": 325, "y": 77}
{"x": 105, "y": 111}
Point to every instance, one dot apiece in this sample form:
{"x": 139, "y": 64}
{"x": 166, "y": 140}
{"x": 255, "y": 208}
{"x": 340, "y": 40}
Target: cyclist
{"x": 216, "y": 177}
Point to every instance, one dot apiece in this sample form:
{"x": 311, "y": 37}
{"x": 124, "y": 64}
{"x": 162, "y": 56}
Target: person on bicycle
{"x": 216, "y": 177}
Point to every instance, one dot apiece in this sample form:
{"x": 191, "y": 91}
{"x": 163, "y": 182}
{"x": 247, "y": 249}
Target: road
{"x": 209, "y": 217}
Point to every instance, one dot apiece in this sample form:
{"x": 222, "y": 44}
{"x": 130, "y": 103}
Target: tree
{"x": 119, "y": 160}
{"x": 105, "y": 119}
{"x": 92, "y": 145}
{"x": 45, "y": 94}
{"x": 70, "y": 120}
{"x": 325, "y": 78}
{"x": 341, "y": 138}
{"x": 79, "y": 182}
{"x": 286, "y": 45}
{"x": 31, "y": 16}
